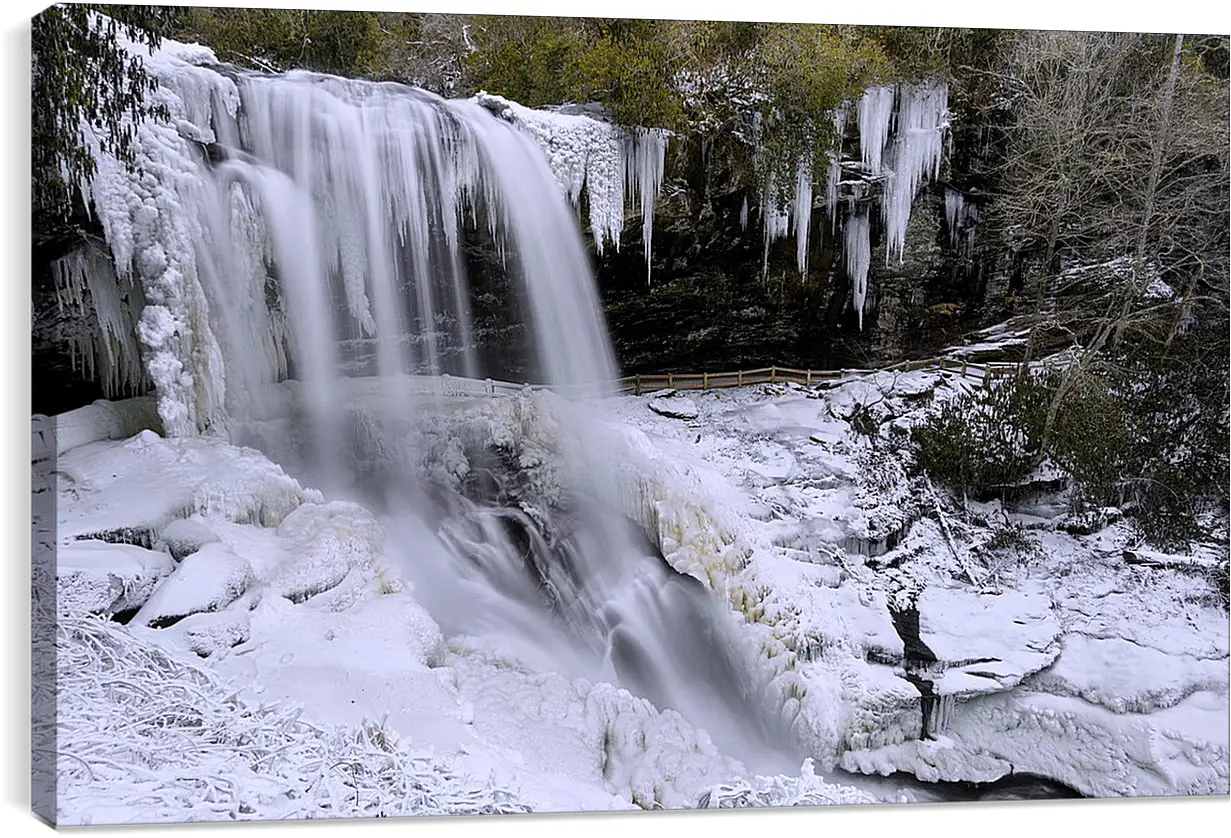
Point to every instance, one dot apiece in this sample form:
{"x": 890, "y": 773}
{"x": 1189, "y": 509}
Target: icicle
{"x": 833, "y": 177}
{"x": 916, "y": 154}
{"x": 802, "y": 215}
{"x": 743, "y": 214}
{"x": 858, "y": 258}
{"x": 954, "y": 212}
{"x": 644, "y": 166}
{"x": 87, "y": 284}
{"x": 874, "y": 111}
{"x": 775, "y": 224}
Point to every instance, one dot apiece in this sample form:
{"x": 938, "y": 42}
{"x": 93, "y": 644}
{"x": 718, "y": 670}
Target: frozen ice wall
{"x": 615, "y": 166}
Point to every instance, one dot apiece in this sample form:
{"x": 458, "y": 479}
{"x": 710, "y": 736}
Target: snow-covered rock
{"x": 185, "y": 536}
{"x": 674, "y": 408}
{"x": 95, "y": 577}
{"x": 986, "y": 642}
{"x": 211, "y": 633}
{"x": 208, "y": 580}
{"x": 142, "y": 484}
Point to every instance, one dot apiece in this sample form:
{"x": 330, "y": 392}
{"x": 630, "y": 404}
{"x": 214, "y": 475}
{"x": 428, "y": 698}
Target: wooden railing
{"x": 639, "y": 384}
{"x": 122, "y": 419}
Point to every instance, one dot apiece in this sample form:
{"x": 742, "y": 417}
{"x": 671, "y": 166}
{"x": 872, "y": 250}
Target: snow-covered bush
{"x": 144, "y": 736}
{"x": 984, "y": 440}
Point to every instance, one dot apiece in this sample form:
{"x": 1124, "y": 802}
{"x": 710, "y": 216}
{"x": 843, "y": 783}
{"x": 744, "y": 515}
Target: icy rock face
{"x": 95, "y": 577}
{"x": 153, "y": 244}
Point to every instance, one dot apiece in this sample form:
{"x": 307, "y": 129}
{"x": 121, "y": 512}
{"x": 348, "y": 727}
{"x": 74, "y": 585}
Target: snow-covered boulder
{"x": 95, "y": 577}
{"x": 144, "y": 483}
{"x": 185, "y": 536}
{"x": 675, "y": 408}
{"x": 986, "y": 642}
{"x": 210, "y": 633}
{"x": 208, "y": 580}
{"x": 326, "y": 544}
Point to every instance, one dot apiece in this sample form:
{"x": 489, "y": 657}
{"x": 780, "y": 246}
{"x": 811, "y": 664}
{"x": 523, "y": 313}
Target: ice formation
{"x": 874, "y": 112}
{"x": 613, "y": 165}
{"x": 833, "y": 177}
{"x": 858, "y": 252}
{"x": 801, "y": 216}
{"x": 110, "y": 310}
{"x": 918, "y": 144}
{"x": 961, "y": 216}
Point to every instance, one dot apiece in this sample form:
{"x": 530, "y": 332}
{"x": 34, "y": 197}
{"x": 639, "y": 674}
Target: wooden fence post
{"x": 809, "y": 378}
{"x": 773, "y": 375}
{"x": 670, "y": 380}
{"x": 705, "y": 381}
{"x": 963, "y": 368}
{"x": 637, "y": 384}
{"x": 739, "y": 378}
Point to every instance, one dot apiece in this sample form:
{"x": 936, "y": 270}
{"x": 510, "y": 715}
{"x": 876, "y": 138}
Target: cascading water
{"x": 310, "y": 227}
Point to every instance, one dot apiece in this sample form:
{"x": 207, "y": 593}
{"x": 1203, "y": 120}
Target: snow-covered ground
{"x": 246, "y": 594}
{"x": 1059, "y": 659}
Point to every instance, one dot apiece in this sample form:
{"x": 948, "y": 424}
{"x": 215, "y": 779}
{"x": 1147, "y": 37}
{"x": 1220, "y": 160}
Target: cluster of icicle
{"x": 901, "y": 141}
{"x": 274, "y": 223}
{"x": 613, "y": 164}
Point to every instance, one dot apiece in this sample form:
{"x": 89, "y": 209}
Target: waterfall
{"x": 304, "y": 224}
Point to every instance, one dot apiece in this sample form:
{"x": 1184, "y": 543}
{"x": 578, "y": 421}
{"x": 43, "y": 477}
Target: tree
{"x": 80, "y": 73}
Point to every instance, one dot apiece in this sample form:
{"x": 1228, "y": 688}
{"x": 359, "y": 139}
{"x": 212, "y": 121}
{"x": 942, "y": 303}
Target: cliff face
{"x": 710, "y": 305}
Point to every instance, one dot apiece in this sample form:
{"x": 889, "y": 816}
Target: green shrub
{"x": 985, "y": 440}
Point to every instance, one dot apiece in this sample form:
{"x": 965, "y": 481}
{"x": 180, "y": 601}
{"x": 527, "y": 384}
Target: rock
{"x": 208, "y": 634}
{"x": 675, "y": 408}
{"x": 986, "y": 642}
{"x": 185, "y": 536}
{"x": 97, "y": 577}
{"x": 208, "y": 580}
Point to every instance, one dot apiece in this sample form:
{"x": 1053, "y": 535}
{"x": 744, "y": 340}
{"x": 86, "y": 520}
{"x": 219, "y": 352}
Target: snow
{"x": 94, "y": 577}
{"x": 1018, "y": 635}
{"x": 208, "y": 580}
{"x": 144, "y": 483}
{"x": 674, "y": 408}
{"x": 147, "y": 736}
